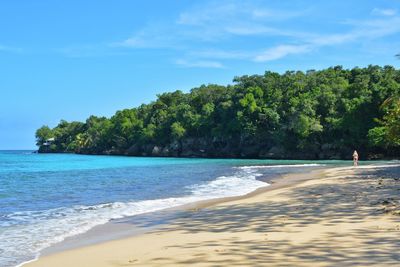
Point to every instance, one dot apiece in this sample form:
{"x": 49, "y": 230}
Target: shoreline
{"x": 346, "y": 158}
{"x": 131, "y": 225}
{"x": 186, "y": 211}
{"x": 163, "y": 217}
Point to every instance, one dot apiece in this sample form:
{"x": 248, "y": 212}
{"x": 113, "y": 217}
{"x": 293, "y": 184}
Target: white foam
{"x": 243, "y": 182}
{"x": 281, "y": 166}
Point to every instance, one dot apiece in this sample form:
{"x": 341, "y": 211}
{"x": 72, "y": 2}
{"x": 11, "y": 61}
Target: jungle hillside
{"x": 317, "y": 114}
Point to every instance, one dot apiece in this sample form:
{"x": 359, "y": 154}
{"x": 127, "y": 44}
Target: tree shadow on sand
{"x": 360, "y": 199}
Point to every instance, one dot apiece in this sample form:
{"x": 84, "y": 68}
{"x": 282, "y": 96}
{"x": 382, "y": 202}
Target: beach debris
{"x": 389, "y": 206}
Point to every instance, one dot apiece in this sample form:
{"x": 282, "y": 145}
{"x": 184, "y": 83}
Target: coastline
{"x": 124, "y": 248}
{"x": 141, "y": 223}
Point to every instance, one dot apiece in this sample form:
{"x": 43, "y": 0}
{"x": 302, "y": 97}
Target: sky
{"x": 72, "y": 59}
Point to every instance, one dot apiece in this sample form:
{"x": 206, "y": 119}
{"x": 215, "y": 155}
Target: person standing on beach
{"x": 355, "y": 158}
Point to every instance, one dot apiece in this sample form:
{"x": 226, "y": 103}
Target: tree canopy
{"x": 313, "y": 114}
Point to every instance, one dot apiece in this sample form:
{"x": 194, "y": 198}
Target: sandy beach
{"x": 335, "y": 217}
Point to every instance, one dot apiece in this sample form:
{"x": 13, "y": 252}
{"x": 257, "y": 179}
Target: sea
{"x": 45, "y": 198}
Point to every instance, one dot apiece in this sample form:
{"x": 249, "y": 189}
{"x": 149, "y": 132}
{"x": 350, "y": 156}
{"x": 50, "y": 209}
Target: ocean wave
{"x": 26, "y": 233}
{"x": 281, "y": 166}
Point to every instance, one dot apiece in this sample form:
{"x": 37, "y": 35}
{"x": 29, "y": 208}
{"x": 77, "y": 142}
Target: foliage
{"x": 389, "y": 133}
{"x": 43, "y": 134}
{"x": 313, "y": 114}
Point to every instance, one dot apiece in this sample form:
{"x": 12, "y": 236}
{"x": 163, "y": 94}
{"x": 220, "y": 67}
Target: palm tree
{"x": 82, "y": 140}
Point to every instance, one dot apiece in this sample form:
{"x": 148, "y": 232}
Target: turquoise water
{"x": 45, "y": 198}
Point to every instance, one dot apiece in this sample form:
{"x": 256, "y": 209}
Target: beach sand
{"x": 340, "y": 217}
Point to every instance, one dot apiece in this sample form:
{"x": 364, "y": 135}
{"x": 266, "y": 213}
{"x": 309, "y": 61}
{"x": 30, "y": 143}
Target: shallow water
{"x": 45, "y": 198}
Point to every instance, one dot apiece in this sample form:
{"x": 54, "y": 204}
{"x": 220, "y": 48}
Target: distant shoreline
{"x": 215, "y": 157}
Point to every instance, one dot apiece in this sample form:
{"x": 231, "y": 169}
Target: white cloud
{"x": 231, "y": 11}
{"x": 208, "y": 14}
{"x": 333, "y": 39}
{"x": 261, "y": 13}
{"x": 225, "y": 19}
{"x": 155, "y": 36}
{"x": 251, "y": 30}
{"x": 384, "y": 12}
{"x": 379, "y": 28}
{"x": 362, "y": 30}
{"x": 138, "y": 41}
{"x": 281, "y": 51}
{"x": 132, "y": 42}
{"x": 212, "y": 25}
{"x": 199, "y": 64}
{"x": 219, "y": 54}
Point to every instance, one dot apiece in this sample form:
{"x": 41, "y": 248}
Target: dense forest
{"x": 322, "y": 114}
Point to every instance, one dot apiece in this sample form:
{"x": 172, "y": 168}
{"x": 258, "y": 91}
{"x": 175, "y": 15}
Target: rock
{"x": 147, "y": 150}
{"x": 249, "y": 151}
{"x": 276, "y": 152}
{"x": 156, "y": 151}
{"x": 188, "y": 153}
{"x": 133, "y": 150}
{"x": 165, "y": 152}
{"x": 175, "y": 146}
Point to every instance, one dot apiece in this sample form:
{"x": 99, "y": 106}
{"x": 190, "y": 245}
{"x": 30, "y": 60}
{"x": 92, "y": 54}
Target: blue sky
{"x": 70, "y": 59}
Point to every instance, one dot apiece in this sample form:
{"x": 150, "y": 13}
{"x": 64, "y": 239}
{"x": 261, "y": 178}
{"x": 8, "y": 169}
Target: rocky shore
{"x": 214, "y": 148}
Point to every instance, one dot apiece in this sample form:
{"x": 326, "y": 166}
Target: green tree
{"x": 177, "y": 131}
{"x": 389, "y": 133}
{"x": 43, "y": 134}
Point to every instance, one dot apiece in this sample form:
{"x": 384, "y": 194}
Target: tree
{"x": 389, "y": 133}
{"x": 177, "y": 131}
{"x": 43, "y": 134}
